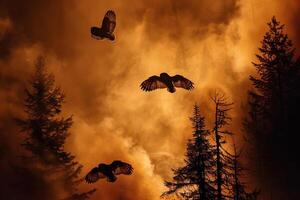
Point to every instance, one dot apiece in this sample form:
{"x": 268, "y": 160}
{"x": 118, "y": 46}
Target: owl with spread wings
{"x": 107, "y": 28}
{"x": 109, "y": 172}
{"x": 166, "y": 81}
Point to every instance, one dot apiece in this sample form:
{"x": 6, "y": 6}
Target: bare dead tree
{"x": 221, "y": 120}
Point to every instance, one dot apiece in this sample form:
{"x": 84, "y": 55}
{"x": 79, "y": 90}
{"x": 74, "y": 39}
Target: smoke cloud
{"x": 211, "y": 43}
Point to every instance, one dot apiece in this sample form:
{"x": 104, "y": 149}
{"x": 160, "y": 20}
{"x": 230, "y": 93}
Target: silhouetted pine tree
{"x": 238, "y": 190}
{"x": 193, "y": 181}
{"x": 221, "y": 119}
{"x": 46, "y": 134}
{"x": 274, "y": 112}
{"x": 277, "y": 75}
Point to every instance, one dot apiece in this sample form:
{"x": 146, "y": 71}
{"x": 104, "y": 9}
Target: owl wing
{"x": 152, "y": 83}
{"x": 109, "y": 22}
{"x": 96, "y": 33}
{"x": 94, "y": 175}
{"x": 119, "y": 167}
{"x": 180, "y": 81}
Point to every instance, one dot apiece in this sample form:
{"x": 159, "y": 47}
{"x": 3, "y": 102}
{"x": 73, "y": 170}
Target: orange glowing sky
{"x": 210, "y": 42}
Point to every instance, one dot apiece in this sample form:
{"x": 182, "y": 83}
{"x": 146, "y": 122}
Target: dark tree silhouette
{"x": 277, "y": 72}
{"x": 221, "y": 119}
{"x": 238, "y": 188}
{"x": 46, "y": 133}
{"x": 273, "y": 114}
{"x": 193, "y": 181}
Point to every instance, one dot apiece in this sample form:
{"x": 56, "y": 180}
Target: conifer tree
{"x": 46, "y": 133}
{"x": 274, "y": 113}
{"x": 194, "y": 180}
{"x": 238, "y": 188}
{"x": 277, "y": 74}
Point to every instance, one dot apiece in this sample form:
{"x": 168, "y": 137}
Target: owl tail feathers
{"x": 111, "y": 178}
{"x": 111, "y": 37}
{"x": 171, "y": 89}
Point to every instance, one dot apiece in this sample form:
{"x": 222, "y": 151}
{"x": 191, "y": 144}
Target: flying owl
{"x": 166, "y": 81}
{"x": 109, "y": 172}
{"x": 107, "y": 28}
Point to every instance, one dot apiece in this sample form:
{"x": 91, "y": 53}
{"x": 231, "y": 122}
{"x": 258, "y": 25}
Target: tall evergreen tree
{"x": 277, "y": 72}
{"x": 221, "y": 119}
{"x": 273, "y": 113}
{"x": 237, "y": 187}
{"x": 194, "y": 180}
{"x": 46, "y": 133}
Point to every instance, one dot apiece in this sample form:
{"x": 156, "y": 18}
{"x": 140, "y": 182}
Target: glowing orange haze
{"x": 210, "y": 42}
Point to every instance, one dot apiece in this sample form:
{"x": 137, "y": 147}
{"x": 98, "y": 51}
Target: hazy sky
{"x": 210, "y": 42}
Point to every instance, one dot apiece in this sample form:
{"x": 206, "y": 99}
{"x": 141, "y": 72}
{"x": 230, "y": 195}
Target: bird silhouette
{"x": 166, "y": 81}
{"x": 109, "y": 172}
{"x": 107, "y": 28}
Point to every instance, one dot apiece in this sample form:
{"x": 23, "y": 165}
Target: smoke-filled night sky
{"x": 211, "y": 42}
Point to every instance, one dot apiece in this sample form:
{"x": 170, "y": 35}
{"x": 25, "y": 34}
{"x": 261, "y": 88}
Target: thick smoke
{"x": 212, "y": 43}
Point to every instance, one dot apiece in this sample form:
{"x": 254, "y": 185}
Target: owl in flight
{"x": 107, "y": 28}
{"x": 166, "y": 81}
{"x": 109, "y": 172}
